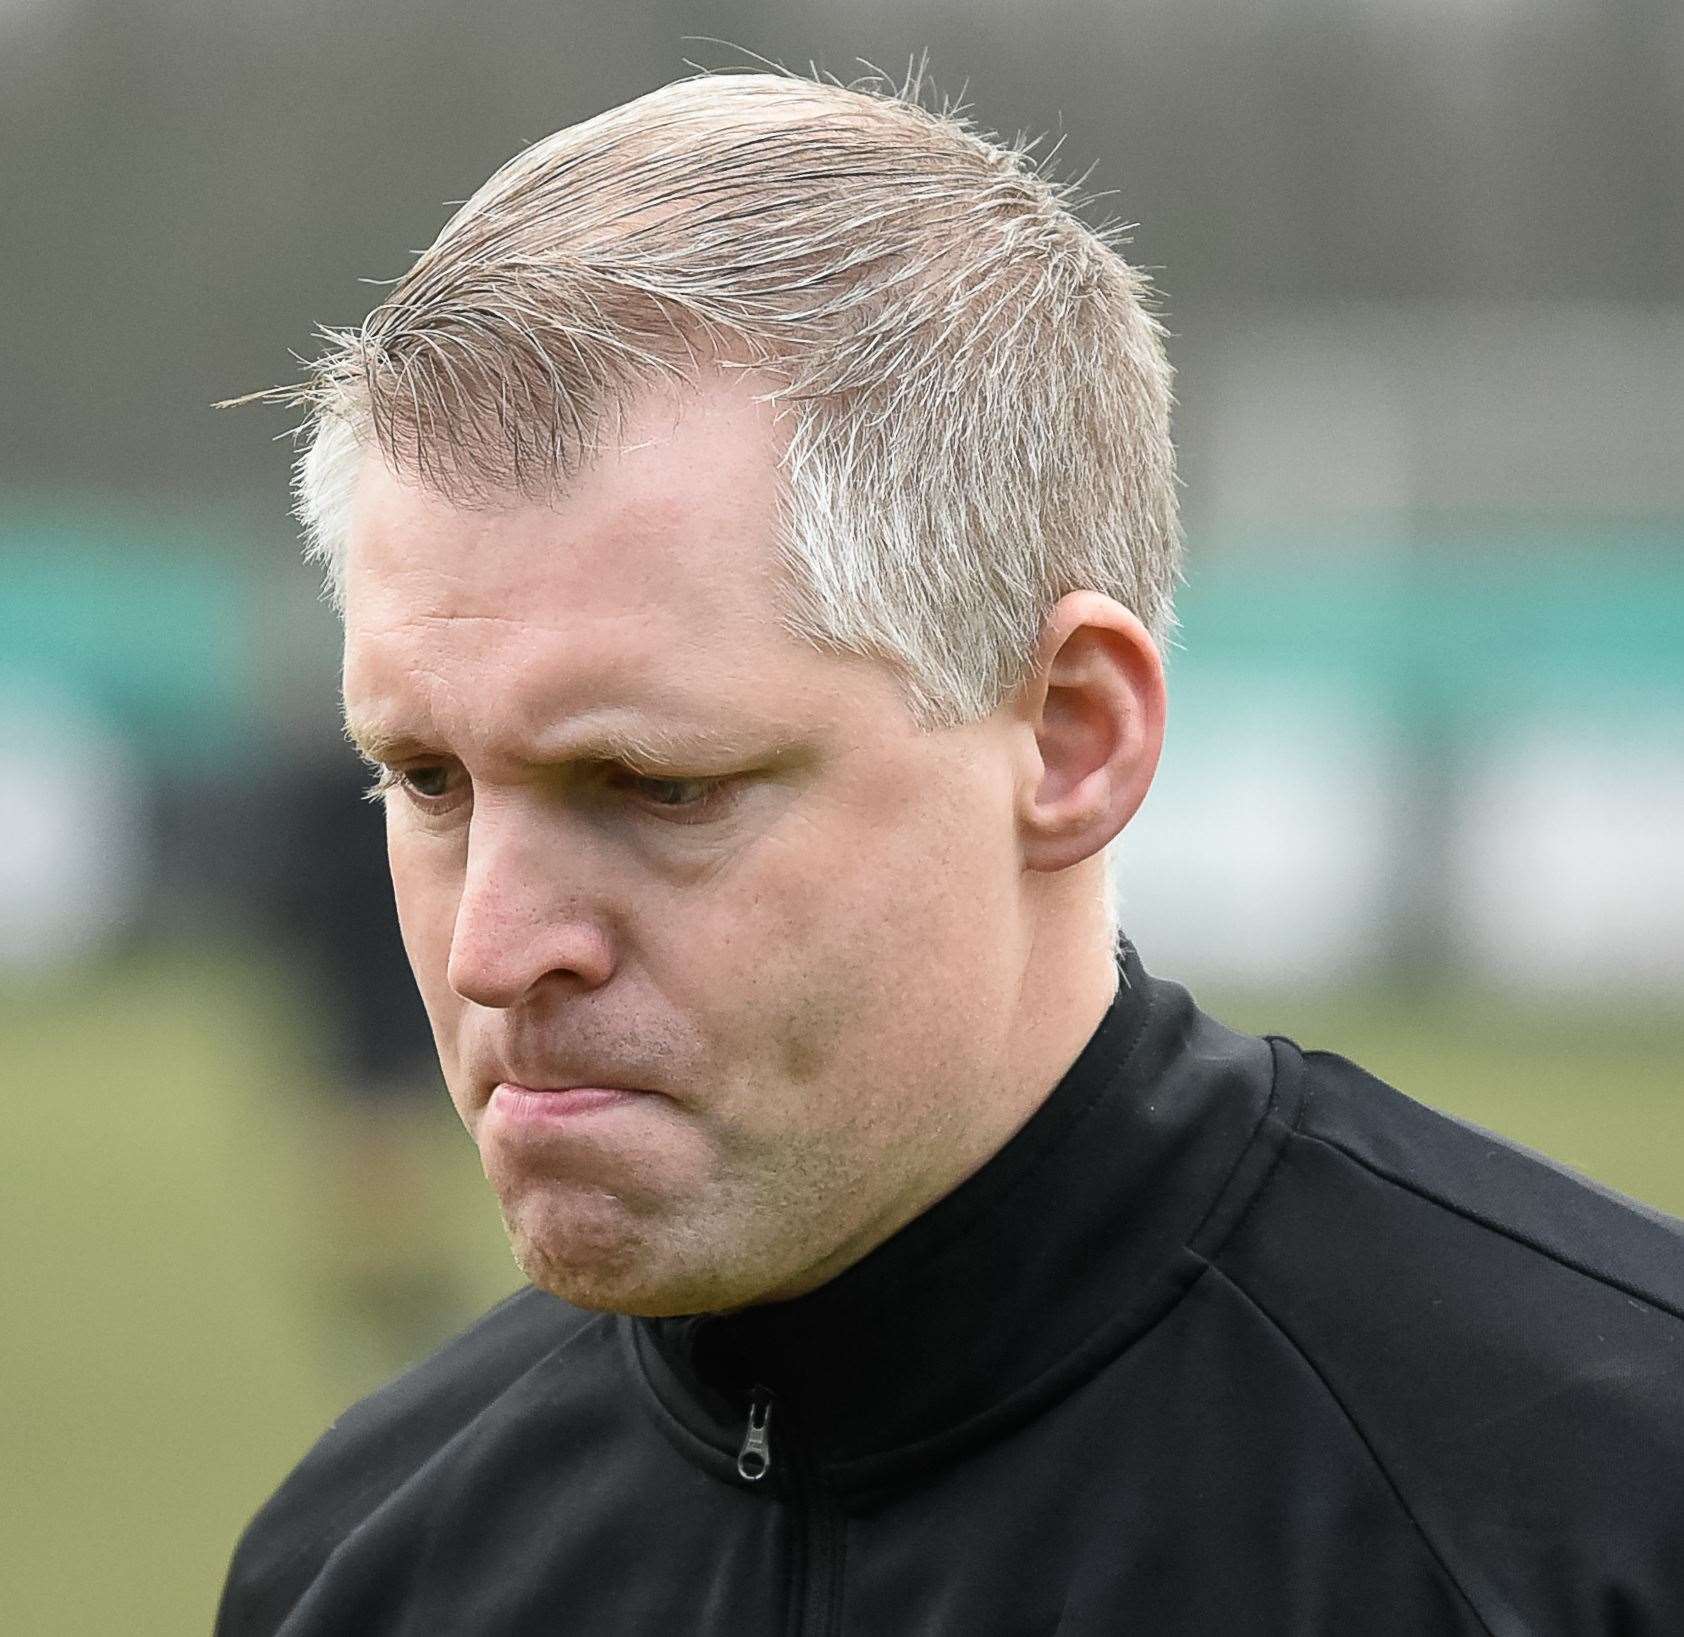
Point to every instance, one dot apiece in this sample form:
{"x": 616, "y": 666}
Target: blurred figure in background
{"x": 384, "y": 1290}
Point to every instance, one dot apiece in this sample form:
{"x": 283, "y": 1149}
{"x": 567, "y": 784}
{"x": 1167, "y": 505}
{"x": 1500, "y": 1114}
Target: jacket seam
{"x": 1267, "y": 1118}
{"x": 1513, "y": 1235}
{"x": 1362, "y": 1438}
{"x": 643, "y": 1360}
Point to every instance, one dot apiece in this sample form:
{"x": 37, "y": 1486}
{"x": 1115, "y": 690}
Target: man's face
{"x": 649, "y": 847}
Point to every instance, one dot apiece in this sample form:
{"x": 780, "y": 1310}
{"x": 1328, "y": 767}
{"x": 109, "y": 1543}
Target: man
{"x": 754, "y": 523}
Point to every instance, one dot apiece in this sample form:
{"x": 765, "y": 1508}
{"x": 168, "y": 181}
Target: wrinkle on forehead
{"x": 611, "y": 687}
{"x": 643, "y": 600}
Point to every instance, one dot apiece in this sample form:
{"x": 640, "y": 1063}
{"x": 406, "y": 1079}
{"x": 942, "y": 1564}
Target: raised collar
{"x": 1031, "y": 1274}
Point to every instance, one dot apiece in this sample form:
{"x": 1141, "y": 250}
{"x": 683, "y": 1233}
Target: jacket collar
{"x": 1031, "y": 1274}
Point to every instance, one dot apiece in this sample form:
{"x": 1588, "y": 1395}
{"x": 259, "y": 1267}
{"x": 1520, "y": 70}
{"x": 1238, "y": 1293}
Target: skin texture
{"x": 641, "y": 837}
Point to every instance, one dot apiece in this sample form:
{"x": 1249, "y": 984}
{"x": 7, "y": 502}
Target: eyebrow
{"x": 632, "y": 747}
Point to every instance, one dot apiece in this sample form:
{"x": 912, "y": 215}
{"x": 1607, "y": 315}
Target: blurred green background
{"x": 1423, "y": 798}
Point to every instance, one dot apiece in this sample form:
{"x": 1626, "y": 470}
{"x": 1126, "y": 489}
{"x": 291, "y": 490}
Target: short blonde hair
{"x": 973, "y": 391}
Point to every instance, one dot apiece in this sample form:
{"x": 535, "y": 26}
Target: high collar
{"x": 1044, "y": 1263}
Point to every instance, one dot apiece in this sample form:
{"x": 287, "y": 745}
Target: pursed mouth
{"x": 517, "y": 1104}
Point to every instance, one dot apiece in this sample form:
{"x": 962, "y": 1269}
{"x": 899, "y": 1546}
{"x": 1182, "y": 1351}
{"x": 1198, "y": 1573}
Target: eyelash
{"x": 385, "y": 780}
{"x": 381, "y": 782}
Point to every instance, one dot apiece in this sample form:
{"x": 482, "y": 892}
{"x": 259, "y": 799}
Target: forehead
{"x": 650, "y": 585}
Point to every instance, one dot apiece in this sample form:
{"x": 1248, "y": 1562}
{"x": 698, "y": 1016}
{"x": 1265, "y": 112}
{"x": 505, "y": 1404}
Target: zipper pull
{"x": 754, "y": 1459}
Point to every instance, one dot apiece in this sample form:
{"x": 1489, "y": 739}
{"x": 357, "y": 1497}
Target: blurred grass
{"x": 163, "y": 1348}
{"x": 163, "y": 1351}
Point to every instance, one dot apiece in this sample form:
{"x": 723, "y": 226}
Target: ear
{"x": 1095, "y": 706}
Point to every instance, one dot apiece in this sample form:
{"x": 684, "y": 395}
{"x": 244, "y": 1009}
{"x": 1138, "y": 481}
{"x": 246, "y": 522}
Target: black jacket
{"x": 1229, "y": 1339}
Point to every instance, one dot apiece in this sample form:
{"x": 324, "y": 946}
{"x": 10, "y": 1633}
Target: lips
{"x": 541, "y": 1105}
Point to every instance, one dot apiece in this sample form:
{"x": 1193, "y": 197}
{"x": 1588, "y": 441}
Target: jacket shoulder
{"x": 1505, "y": 1336}
{"x": 1493, "y": 1182}
{"x": 378, "y": 1444}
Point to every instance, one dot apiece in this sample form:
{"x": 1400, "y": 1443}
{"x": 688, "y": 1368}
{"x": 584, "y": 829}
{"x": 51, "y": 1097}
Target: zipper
{"x": 817, "y": 1526}
{"x": 817, "y": 1529}
{"x": 819, "y": 1541}
{"x": 754, "y": 1457}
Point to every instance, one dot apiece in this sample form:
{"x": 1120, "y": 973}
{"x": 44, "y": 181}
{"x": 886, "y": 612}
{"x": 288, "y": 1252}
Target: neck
{"x": 1067, "y": 983}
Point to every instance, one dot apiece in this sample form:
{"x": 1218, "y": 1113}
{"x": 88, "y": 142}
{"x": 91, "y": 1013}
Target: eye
{"x": 682, "y": 800}
{"x": 675, "y": 792}
{"x": 429, "y": 783}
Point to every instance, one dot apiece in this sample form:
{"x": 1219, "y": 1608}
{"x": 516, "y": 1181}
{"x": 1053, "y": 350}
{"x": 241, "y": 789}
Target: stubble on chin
{"x": 575, "y": 1255}
{"x": 597, "y": 1253}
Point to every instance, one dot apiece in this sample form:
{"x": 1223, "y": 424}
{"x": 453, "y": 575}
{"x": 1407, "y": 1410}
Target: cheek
{"x": 426, "y": 893}
{"x": 865, "y": 958}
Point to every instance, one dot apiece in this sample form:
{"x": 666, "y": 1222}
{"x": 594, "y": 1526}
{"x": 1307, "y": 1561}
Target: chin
{"x": 603, "y": 1270}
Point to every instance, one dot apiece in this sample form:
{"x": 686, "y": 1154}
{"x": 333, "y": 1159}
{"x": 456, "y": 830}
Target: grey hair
{"x": 973, "y": 391}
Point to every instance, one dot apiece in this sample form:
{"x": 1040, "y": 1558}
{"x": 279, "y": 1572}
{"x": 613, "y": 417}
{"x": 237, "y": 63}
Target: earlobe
{"x": 1096, "y": 707}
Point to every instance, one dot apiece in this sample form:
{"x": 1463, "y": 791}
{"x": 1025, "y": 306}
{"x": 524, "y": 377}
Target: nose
{"x": 523, "y": 916}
